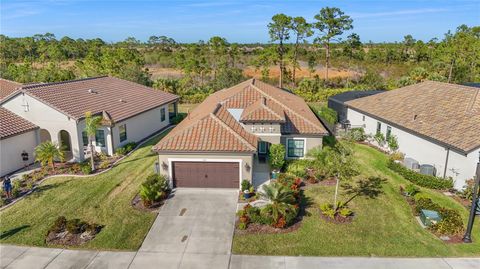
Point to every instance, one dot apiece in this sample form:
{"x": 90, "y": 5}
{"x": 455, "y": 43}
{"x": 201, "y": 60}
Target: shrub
{"x": 397, "y": 156}
{"x": 467, "y": 191}
{"x": 104, "y": 164}
{"x": 392, "y": 142}
{"x": 246, "y": 185}
{"x": 411, "y": 190}
{"x": 59, "y": 225}
{"x": 426, "y": 181}
{"x": 76, "y": 226}
{"x": 345, "y": 212}
{"x": 177, "y": 119}
{"x": 125, "y": 149}
{"x": 328, "y": 210}
{"x": 450, "y": 224}
{"x": 75, "y": 168}
{"x": 427, "y": 204}
{"x": 357, "y": 134}
{"x": 154, "y": 189}
{"x": 420, "y": 195}
{"x": 380, "y": 139}
{"x": 297, "y": 168}
{"x": 121, "y": 151}
{"x": 86, "y": 168}
{"x": 277, "y": 156}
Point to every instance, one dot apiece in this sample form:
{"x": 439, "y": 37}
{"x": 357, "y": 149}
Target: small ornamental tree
{"x": 392, "y": 143}
{"x": 91, "y": 125}
{"x": 276, "y": 156}
{"x": 47, "y": 152}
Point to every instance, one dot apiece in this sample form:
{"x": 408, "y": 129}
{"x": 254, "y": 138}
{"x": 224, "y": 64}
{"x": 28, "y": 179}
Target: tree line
{"x": 328, "y": 41}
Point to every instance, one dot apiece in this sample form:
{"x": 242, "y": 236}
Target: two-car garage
{"x": 205, "y": 174}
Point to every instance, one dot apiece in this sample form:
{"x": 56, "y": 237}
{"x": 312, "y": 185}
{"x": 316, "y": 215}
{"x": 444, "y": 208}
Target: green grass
{"x": 382, "y": 227}
{"x": 104, "y": 199}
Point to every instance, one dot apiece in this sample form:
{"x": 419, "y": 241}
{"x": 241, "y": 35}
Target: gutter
{"x": 446, "y": 163}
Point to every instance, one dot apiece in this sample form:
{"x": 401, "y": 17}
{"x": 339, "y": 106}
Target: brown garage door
{"x": 205, "y": 174}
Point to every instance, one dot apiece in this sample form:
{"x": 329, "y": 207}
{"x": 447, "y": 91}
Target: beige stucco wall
{"x": 47, "y": 118}
{"x": 263, "y": 128}
{"x": 243, "y": 159}
{"x": 11, "y": 149}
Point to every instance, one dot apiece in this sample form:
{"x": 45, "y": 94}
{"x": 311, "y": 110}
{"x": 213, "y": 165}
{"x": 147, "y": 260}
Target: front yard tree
{"x": 91, "y": 125}
{"x": 276, "y": 156}
{"x": 331, "y": 22}
{"x": 302, "y": 30}
{"x": 47, "y": 152}
{"x": 279, "y": 30}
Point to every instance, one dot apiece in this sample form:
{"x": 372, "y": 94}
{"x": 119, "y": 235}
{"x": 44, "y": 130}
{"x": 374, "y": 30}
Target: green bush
{"x": 246, "y": 185}
{"x": 276, "y": 156}
{"x": 450, "y": 224}
{"x": 297, "y": 168}
{"x": 426, "y": 181}
{"x": 411, "y": 190}
{"x": 177, "y": 119}
{"x": 154, "y": 189}
{"x": 392, "y": 142}
{"x": 325, "y": 113}
{"x": 121, "y": 151}
{"x": 427, "y": 204}
{"x": 380, "y": 139}
{"x": 125, "y": 149}
{"x": 86, "y": 168}
{"x": 76, "y": 226}
{"x": 357, "y": 134}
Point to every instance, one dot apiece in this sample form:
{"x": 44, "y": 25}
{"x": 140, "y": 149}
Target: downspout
{"x": 446, "y": 163}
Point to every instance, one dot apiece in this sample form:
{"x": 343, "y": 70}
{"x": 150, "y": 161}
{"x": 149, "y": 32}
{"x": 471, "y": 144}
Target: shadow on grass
{"x": 13, "y": 231}
{"x": 43, "y": 188}
{"x": 371, "y": 188}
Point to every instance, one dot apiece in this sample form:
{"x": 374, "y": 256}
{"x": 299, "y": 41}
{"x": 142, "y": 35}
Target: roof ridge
{"x": 271, "y": 110}
{"x": 38, "y": 85}
{"x": 475, "y": 100}
{"x": 281, "y": 104}
{"x": 244, "y": 141}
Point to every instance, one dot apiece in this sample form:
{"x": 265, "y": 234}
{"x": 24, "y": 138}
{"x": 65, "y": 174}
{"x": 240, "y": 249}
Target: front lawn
{"x": 104, "y": 199}
{"x": 382, "y": 227}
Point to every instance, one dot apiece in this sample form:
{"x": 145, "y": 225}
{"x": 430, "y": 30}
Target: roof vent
{"x": 264, "y": 100}
{"x": 415, "y": 117}
{"x": 92, "y": 91}
{"x": 121, "y": 100}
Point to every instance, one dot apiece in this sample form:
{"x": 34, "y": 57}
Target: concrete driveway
{"x": 194, "y": 229}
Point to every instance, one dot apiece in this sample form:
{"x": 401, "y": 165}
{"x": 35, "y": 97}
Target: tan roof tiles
{"x": 7, "y": 87}
{"x": 446, "y": 113}
{"x": 211, "y": 127}
{"x": 12, "y": 124}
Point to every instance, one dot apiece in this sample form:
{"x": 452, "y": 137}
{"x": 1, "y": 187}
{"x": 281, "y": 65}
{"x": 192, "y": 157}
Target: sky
{"x": 238, "y": 21}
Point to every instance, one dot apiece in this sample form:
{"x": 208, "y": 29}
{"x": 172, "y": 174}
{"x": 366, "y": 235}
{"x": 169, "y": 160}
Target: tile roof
{"x": 7, "y": 87}
{"x": 446, "y": 113}
{"x": 211, "y": 128}
{"x": 120, "y": 98}
{"x": 12, "y": 124}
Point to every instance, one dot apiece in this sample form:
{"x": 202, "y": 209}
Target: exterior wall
{"x": 263, "y": 128}
{"x": 243, "y": 159}
{"x": 310, "y": 142}
{"x": 140, "y": 126}
{"x": 47, "y": 118}
{"x": 11, "y": 149}
{"x": 459, "y": 167}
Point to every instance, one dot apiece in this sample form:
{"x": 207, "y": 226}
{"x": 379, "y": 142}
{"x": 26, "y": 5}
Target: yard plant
{"x": 48, "y": 152}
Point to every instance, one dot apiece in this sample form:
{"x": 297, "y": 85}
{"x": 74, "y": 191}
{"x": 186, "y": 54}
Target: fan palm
{"x": 91, "y": 125}
{"x": 281, "y": 198}
{"x": 47, "y": 152}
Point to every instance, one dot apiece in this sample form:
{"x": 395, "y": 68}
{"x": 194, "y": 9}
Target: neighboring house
{"x": 337, "y": 102}
{"x": 130, "y": 111}
{"x": 7, "y": 87}
{"x": 17, "y": 136}
{"x": 435, "y": 123}
{"x": 226, "y": 138}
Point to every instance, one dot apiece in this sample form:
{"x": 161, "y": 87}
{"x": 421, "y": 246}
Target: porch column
{"x": 109, "y": 141}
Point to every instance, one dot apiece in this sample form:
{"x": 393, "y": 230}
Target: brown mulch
{"x": 255, "y": 228}
{"x": 454, "y": 239}
{"x": 338, "y": 219}
{"x": 68, "y": 239}
{"x": 328, "y": 182}
{"x": 138, "y": 204}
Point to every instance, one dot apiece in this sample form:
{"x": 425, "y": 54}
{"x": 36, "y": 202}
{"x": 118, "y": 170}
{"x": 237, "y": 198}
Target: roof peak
{"x": 38, "y": 85}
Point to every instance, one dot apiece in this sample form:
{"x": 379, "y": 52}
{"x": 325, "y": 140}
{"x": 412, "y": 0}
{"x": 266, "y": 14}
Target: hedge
{"x": 426, "y": 181}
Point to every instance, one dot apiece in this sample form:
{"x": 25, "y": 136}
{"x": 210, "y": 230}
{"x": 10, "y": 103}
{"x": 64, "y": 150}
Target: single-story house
{"x": 130, "y": 111}
{"x": 435, "y": 123}
{"x": 337, "y": 102}
{"x": 226, "y": 139}
{"x": 18, "y": 138}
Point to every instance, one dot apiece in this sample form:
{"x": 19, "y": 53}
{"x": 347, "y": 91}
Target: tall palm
{"x": 281, "y": 197}
{"x": 47, "y": 152}
{"x": 91, "y": 125}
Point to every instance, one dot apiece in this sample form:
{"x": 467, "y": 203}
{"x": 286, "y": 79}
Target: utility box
{"x": 429, "y": 217}
{"x": 411, "y": 163}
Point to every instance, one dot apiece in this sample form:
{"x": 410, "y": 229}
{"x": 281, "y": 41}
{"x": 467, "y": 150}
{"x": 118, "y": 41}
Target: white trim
{"x": 304, "y": 147}
{"x": 266, "y": 134}
{"x": 239, "y": 161}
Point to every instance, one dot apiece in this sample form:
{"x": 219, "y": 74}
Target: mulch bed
{"x": 68, "y": 239}
{"x": 255, "y": 228}
{"x": 241, "y": 199}
{"x": 338, "y": 219}
{"x": 137, "y": 203}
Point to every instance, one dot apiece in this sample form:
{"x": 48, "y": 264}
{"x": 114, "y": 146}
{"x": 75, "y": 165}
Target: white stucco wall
{"x": 11, "y": 149}
{"x": 460, "y": 167}
{"x": 47, "y": 118}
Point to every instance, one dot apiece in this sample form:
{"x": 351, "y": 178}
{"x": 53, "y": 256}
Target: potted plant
{"x": 276, "y": 158}
{"x": 246, "y": 186}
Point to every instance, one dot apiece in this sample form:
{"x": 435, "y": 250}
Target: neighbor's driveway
{"x": 193, "y": 229}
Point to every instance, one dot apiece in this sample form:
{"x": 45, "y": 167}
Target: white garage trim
{"x": 171, "y": 160}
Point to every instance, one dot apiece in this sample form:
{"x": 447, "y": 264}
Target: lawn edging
{"x": 140, "y": 143}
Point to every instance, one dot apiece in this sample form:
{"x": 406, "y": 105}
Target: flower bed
{"x": 73, "y": 232}
{"x": 426, "y": 181}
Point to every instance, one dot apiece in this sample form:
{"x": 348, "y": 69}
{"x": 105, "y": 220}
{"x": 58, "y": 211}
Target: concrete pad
{"x": 363, "y": 263}
{"x": 112, "y": 260}
{"x": 204, "y": 261}
{"x": 72, "y": 259}
{"x": 463, "y": 263}
{"x": 146, "y": 260}
{"x": 9, "y": 253}
{"x": 257, "y": 262}
{"x": 35, "y": 258}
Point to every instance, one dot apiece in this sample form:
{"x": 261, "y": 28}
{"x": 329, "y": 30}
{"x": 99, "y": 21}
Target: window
{"x": 162, "y": 114}
{"x": 122, "y": 129}
{"x": 262, "y": 147}
{"x": 379, "y": 127}
{"x": 296, "y": 148}
{"x": 254, "y": 129}
{"x": 100, "y": 138}
{"x": 389, "y": 132}
{"x": 271, "y": 129}
{"x": 85, "y": 138}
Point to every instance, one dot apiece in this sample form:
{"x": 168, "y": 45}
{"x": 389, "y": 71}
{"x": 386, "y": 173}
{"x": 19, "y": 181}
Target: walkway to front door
{"x": 193, "y": 229}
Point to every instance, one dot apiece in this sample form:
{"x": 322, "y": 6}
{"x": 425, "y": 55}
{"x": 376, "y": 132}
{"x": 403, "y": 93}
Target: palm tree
{"x": 91, "y": 125}
{"x": 47, "y": 152}
{"x": 281, "y": 198}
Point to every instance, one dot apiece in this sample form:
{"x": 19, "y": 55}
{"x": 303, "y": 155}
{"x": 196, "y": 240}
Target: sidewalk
{"x": 33, "y": 257}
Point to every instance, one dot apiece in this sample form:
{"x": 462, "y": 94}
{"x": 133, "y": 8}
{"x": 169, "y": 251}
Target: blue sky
{"x": 238, "y": 21}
